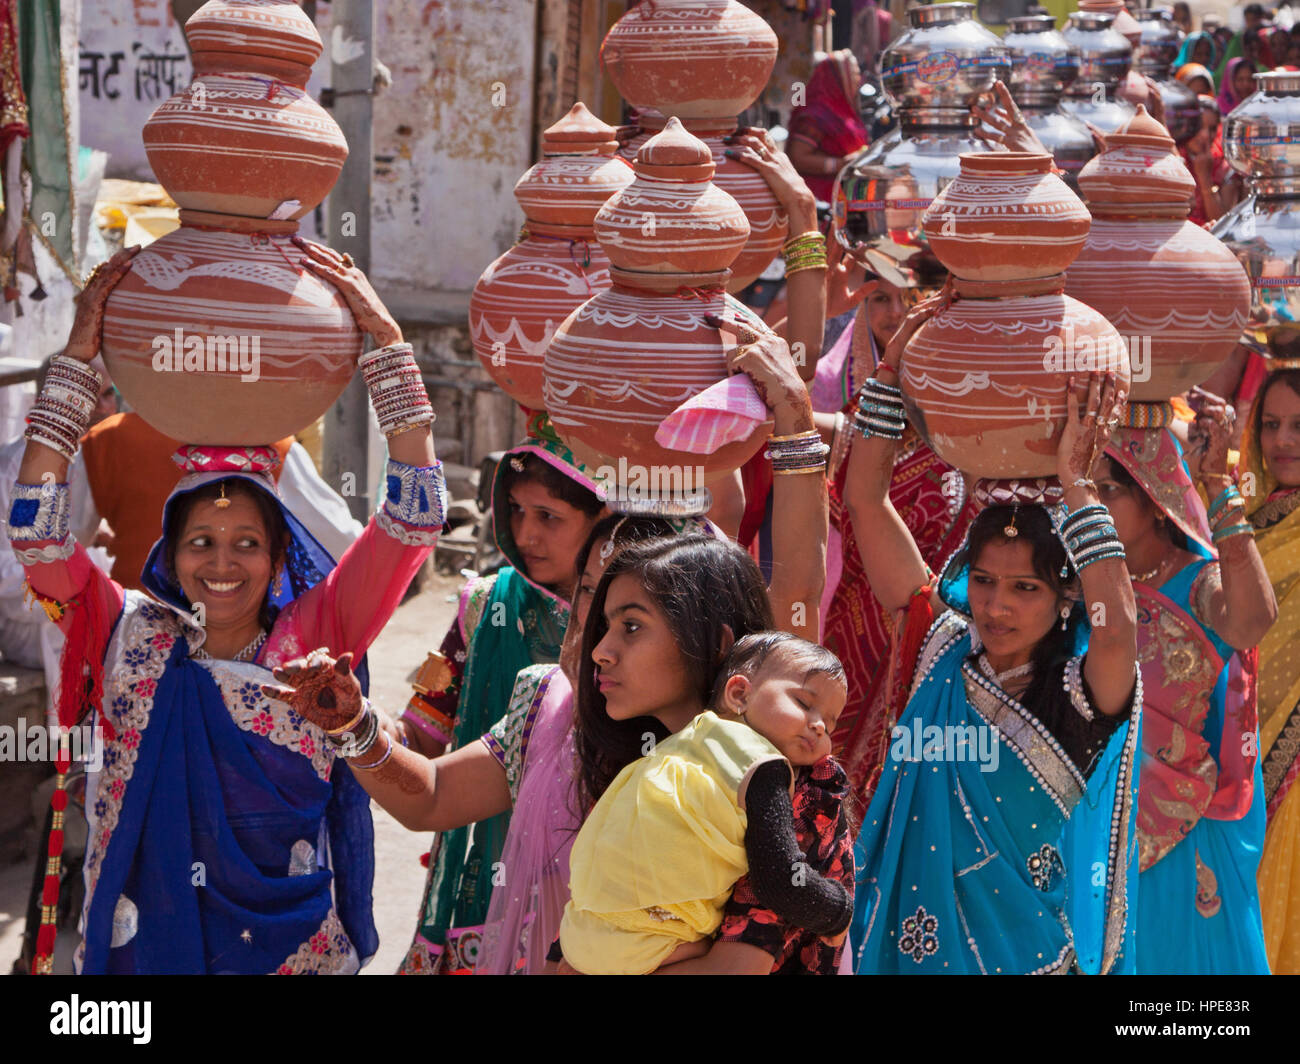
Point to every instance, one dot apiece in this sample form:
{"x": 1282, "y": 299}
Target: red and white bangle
{"x": 396, "y": 389}
{"x": 62, "y": 411}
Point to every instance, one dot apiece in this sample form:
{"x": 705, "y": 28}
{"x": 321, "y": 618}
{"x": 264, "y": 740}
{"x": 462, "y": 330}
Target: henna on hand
{"x": 320, "y": 689}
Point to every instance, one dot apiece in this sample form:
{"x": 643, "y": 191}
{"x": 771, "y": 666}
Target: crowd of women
{"x": 901, "y": 726}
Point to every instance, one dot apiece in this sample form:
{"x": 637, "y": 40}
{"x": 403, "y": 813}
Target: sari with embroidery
{"x": 1200, "y": 803}
{"x": 1275, "y": 514}
{"x": 1016, "y": 860}
{"x": 223, "y": 836}
{"x": 508, "y": 623}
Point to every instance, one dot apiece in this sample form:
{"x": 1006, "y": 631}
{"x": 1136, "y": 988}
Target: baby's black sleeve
{"x": 779, "y": 873}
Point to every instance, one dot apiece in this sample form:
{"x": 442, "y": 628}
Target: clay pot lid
{"x": 675, "y": 155}
{"x": 1141, "y": 130}
{"x": 579, "y": 133}
{"x": 272, "y": 29}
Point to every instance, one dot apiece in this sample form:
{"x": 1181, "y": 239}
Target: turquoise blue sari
{"x": 1014, "y": 865}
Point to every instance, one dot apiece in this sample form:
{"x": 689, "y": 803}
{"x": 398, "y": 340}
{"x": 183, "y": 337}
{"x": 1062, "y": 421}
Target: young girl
{"x": 667, "y": 839}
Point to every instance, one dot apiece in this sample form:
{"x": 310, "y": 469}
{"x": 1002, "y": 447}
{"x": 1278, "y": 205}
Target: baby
{"x": 657, "y": 859}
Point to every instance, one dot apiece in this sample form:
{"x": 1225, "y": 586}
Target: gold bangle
{"x": 797, "y": 472}
{"x": 807, "y": 434}
{"x": 810, "y": 239}
{"x": 352, "y": 723}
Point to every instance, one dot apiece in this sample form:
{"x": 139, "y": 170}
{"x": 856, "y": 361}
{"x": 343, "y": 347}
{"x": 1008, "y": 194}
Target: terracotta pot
{"x": 628, "y": 357}
{"x": 1175, "y": 292}
{"x": 524, "y": 295}
{"x": 1124, "y": 23}
{"x": 690, "y": 58}
{"x": 985, "y": 378}
{"x": 235, "y": 292}
{"x": 672, "y": 218}
{"x": 246, "y": 138}
{"x": 1006, "y": 217}
{"x": 768, "y": 223}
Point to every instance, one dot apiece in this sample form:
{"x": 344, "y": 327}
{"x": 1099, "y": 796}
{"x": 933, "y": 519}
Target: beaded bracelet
{"x": 802, "y": 452}
{"x": 1083, "y": 561}
{"x": 1076, "y": 516}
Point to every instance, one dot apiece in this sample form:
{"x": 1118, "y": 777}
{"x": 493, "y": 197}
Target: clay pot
{"x": 628, "y": 357}
{"x": 690, "y": 58}
{"x": 246, "y": 138}
{"x": 985, "y": 378}
{"x": 289, "y": 342}
{"x": 768, "y": 223}
{"x": 1006, "y": 216}
{"x": 672, "y": 218}
{"x": 1175, "y": 292}
{"x": 524, "y": 295}
{"x": 1124, "y": 23}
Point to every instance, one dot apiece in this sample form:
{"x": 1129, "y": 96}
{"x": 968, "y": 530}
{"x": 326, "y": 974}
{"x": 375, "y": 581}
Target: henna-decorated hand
{"x": 1087, "y": 430}
{"x": 1213, "y": 433}
{"x": 1004, "y": 124}
{"x": 766, "y": 360}
{"x": 367, "y": 308}
{"x": 88, "y": 326}
{"x": 320, "y": 689}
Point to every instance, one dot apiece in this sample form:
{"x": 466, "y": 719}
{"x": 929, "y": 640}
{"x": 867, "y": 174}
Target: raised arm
{"x": 890, "y": 557}
{"x": 806, "y": 274}
{"x": 1243, "y": 609}
{"x": 799, "y": 507}
{"x": 1110, "y": 665}
{"x": 347, "y": 610}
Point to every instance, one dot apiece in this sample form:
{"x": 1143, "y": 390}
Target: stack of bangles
{"x": 803, "y": 452}
{"x": 62, "y": 411}
{"x": 396, "y": 389}
{"x": 1090, "y": 536}
{"x": 807, "y": 251}
{"x": 358, "y": 735}
{"x": 1227, "y": 516}
{"x": 880, "y": 410}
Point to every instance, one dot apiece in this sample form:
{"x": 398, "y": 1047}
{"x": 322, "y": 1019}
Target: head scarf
{"x": 1154, "y": 459}
{"x": 306, "y": 561}
{"x": 1228, "y": 98}
{"x": 1252, "y": 457}
{"x": 1187, "y": 71}
{"x": 830, "y": 109}
{"x": 1188, "y": 48}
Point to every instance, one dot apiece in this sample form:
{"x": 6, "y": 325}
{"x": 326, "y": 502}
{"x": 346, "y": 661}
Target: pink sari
{"x": 524, "y": 916}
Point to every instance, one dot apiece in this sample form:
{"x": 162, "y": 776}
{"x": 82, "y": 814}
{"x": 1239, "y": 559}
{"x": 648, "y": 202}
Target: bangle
{"x": 1225, "y": 497}
{"x": 804, "y": 241}
{"x": 375, "y": 764}
{"x": 1238, "y": 529}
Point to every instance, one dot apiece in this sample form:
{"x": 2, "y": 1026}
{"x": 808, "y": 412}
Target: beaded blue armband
{"x": 37, "y": 512}
{"x": 417, "y": 497}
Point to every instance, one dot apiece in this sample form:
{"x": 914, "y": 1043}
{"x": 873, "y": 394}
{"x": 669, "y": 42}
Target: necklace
{"x": 1000, "y": 678}
{"x": 248, "y": 653}
{"x": 1146, "y": 578}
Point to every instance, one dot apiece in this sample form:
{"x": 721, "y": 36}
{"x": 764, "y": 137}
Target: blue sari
{"x": 1017, "y": 865}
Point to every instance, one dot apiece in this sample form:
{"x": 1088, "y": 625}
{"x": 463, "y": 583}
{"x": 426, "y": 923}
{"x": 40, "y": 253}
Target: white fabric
{"x": 319, "y": 507}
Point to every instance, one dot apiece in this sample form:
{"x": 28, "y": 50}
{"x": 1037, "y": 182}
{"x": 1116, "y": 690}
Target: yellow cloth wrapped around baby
{"x": 656, "y": 860}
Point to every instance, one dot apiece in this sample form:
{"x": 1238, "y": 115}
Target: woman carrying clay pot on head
{"x": 224, "y": 835}
{"x": 1204, "y": 603}
{"x": 528, "y": 762}
{"x": 983, "y": 848}
{"x": 1270, "y": 484}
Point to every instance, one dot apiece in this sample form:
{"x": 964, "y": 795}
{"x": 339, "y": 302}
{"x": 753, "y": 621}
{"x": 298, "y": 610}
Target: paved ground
{"x": 416, "y": 628}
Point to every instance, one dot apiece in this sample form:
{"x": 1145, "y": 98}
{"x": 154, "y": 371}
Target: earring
{"x": 277, "y": 585}
{"x": 1065, "y": 616}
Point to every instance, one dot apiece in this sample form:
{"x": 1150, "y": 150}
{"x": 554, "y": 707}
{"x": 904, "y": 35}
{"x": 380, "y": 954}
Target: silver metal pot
{"x": 1262, "y": 140}
{"x": 932, "y": 73}
{"x": 1043, "y": 66}
{"x": 1105, "y": 57}
{"x": 1154, "y": 56}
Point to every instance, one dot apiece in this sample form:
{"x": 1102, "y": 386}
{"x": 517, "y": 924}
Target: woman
{"x": 931, "y": 498}
{"x": 825, "y": 129}
{"x": 980, "y": 883}
{"x": 1236, "y": 83}
{"x": 1271, "y": 461}
{"x": 1196, "y": 76}
{"x": 1200, "y": 800}
{"x": 527, "y": 761}
{"x": 1198, "y": 48}
{"x": 222, "y": 837}
{"x": 544, "y": 505}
